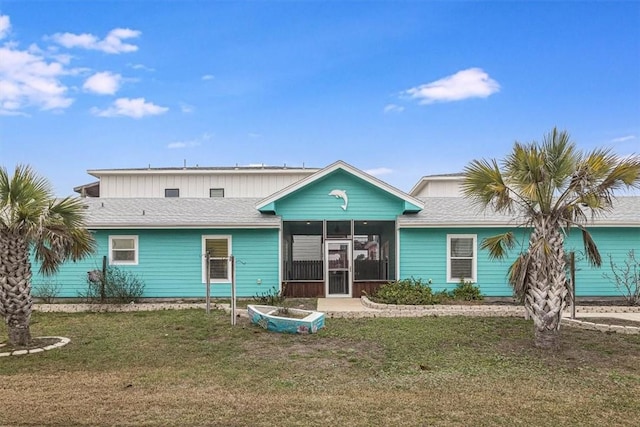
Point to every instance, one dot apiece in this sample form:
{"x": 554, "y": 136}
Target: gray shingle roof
{"x": 457, "y": 212}
{"x": 242, "y": 212}
{"x": 168, "y": 213}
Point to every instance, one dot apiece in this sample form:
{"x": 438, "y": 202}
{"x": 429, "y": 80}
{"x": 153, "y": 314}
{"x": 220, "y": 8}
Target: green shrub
{"x": 414, "y": 292}
{"x": 405, "y": 292}
{"x": 466, "y": 291}
{"x": 120, "y": 286}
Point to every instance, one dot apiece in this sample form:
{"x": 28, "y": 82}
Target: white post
{"x": 208, "y": 278}
{"x": 233, "y": 290}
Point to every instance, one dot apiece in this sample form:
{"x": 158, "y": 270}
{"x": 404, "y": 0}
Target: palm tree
{"x": 32, "y": 220}
{"x": 551, "y": 187}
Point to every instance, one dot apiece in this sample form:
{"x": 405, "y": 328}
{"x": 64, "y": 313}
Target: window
{"x": 123, "y": 250}
{"x": 461, "y": 257}
{"x": 218, "y": 248}
{"x": 171, "y": 192}
{"x": 216, "y": 192}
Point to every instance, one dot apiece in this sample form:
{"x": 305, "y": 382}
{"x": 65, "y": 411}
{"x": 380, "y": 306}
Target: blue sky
{"x": 398, "y": 89}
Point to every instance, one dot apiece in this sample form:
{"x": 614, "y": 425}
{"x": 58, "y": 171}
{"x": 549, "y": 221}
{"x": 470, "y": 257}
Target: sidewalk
{"x": 586, "y": 316}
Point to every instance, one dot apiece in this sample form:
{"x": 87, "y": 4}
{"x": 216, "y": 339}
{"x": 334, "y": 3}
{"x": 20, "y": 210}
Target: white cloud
{"x": 186, "y": 108}
{"x": 379, "y": 171}
{"x": 190, "y": 143}
{"x": 112, "y": 43}
{"x": 136, "y": 108}
{"x": 103, "y": 83}
{"x": 624, "y": 138}
{"x": 27, "y": 79}
{"x": 141, "y": 67}
{"x": 469, "y": 83}
{"x": 5, "y": 26}
{"x": 393, "y": 108}
{"x": 254, "y": 135}
{"x": 208, "y": 77}
{"x": 177, "y": 145}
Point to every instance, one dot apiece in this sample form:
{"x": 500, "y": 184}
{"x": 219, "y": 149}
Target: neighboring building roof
{"x": 431, "y": 178}
{"x": 203, "y": 170}
{"x": 414, "y": 204}
{"x": 88, "y": 190}
{"x": 176, "y": 213}
{"x": 461, "y": 212}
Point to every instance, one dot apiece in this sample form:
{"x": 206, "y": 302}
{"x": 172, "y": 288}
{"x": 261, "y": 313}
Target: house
{"x": 330, "y": 232}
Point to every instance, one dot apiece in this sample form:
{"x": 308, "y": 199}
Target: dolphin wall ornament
{"x": 341, "y": 194}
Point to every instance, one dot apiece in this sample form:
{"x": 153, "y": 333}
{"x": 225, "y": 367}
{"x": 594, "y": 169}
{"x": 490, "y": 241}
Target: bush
{"x": 466, "y": 291}
{"x": 120, "y": 286}
{"x": 406, "y": 292}
{"x": 47, "y": 291}
{"x": 414, "y": 292}
{"x": 273, "y": 297}
{"x": 626, "y": 278}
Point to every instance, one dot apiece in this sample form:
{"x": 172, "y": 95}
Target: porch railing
{"x": 314, "y": 270}
{"x": 303, "y": 270}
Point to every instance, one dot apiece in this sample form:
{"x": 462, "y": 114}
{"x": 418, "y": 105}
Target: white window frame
{"x": 204, "y": 256}
{"x": 136, "y": 247}
{"x": 474, "y": 262}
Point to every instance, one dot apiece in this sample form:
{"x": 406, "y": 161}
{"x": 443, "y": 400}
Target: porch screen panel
{"x": 306, "y": 258}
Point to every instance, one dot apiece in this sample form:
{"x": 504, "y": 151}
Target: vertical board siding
{"x": 197, "y": 185}
{"x": 313, "y": 202}
{"x": 170, "y": 263}
{"x": 423, "y": 255}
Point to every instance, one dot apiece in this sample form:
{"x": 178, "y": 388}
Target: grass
{"x": 184, "y": 368}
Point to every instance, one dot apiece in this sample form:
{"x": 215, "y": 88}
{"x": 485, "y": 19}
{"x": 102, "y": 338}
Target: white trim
{"x": 347, "y": 168}
{"x": 397, "y": 252}
{"x": 280, "y": 260}
{"x": 135, "y": 249}
{"x": 204, "y": 253}
{"x": 98, "y": 173}
{"x": 180, "y": 227}
{"x": 510, "y": 225}
{"x": 474, "y": 262}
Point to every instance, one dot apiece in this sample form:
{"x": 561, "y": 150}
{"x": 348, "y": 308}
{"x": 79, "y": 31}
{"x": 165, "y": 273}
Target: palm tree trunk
{"x": 547, "y": 288}
{"x": 15, "y": 286}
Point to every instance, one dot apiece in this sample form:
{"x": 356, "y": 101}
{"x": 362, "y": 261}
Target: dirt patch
{"x": 314, "y": 352}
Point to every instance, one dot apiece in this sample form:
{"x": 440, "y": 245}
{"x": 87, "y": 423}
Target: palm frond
{"x": 591, "y": 249}
{"x": 55, "y": 230}
{"x": 485, "y": 185}
{"x": 498, "y": 245}
{"x": 517, "y": 275}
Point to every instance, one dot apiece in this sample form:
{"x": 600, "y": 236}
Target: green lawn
{"x": 184, "y": 368}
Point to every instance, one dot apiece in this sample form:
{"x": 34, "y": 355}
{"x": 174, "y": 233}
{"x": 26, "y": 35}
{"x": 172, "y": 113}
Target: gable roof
{"x": 176, "y": 213}
{"x": 412, "y": 204}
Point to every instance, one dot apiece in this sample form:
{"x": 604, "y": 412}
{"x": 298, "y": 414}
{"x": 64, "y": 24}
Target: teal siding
{"x": 423, "y": 255}
{"x": 616, "y": 242}
{"x": 170, "y": 263}
{"x": 366, "y": 202}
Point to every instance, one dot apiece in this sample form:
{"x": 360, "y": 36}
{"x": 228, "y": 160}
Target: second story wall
{"x": 197, "y": 185}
